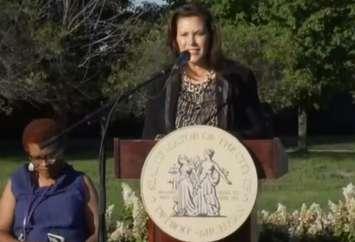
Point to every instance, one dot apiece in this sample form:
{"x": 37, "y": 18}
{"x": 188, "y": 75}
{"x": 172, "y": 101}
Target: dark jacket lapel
{"x": 173, "y": 87}
{"x": 223, "y": 92}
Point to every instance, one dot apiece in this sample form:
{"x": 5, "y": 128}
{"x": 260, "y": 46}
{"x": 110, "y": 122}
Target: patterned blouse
{"x": 197, "y": 103}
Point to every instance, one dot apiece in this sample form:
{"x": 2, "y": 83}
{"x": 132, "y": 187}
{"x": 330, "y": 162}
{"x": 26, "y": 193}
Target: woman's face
{"x": 192, "y": 36}
{"x": 44, "y": 160}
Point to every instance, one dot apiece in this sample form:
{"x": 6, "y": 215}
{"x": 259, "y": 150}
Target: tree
{"x": 302, "y": 50}
{"x": 225, "y": 11}
{"x": 150, "y": 54}
{"x": 60, "y": 52}
{"x": 322, "y": 39}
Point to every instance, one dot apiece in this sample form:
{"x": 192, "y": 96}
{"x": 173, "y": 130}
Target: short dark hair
{"x": 40, "y": 130}
{"x": 214, "y": 53}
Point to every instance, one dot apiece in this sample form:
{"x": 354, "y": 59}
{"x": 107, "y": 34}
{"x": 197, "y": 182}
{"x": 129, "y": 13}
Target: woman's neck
{"x": 45, "y": 180}
{"x": 48, "y": 177}
{"x": 198, "y": 73}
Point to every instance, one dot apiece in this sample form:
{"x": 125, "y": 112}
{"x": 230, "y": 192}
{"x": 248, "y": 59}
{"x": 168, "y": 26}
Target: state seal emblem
{"x": 198, "y": 184}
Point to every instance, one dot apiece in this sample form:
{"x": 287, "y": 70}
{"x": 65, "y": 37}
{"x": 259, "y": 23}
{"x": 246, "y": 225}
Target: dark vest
{"x": 58, "y": 210}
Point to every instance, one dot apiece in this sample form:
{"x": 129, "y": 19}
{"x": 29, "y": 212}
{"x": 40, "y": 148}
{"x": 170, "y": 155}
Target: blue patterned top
{"x": 58, "y": 210}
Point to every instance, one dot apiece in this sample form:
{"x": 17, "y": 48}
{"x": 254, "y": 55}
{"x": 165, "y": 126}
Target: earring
{"x": 30, "y": 166}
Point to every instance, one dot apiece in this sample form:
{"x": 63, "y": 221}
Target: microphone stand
{"x": 104, "y": 123}
{"x": 182, "y": 59}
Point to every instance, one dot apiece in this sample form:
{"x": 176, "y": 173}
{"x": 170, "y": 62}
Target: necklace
{"x": 196, "y": 101}
{"x": 210, "y": 76}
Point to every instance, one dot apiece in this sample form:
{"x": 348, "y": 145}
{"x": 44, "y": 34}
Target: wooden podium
{"x": 270, "y": 160}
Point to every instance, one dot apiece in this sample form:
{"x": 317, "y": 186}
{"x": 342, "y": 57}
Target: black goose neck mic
{"x": 181, "y": 60}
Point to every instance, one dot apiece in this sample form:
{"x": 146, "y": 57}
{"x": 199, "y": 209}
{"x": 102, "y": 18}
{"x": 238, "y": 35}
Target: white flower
{"x": 313, "y": 230}
{"x": 299, "y": 230}
{"x": 295, "y": 214}
{"x": 264, "y": 215}
{"x": 313, "y": 221}
{"x": 349, "y": 192}
{"x": 120, "y": 232}
{"x": 108, "y": 214}
{"x": 127, "y": 194}
{"x": 346, "y": 228}
{"x": 351, "y": 209}
{"x": 332, "y": 206}
{"x": 315, "y": 208}
{"x": 282, "y": 211}
{"x": 281, "y": 208}
{"x": 139, "y": 220}
{"x": 134, "y": 204}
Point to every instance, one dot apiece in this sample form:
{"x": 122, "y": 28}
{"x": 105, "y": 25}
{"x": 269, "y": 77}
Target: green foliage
{"x": 147, "y": 57}
{"x": 18, "y": 77}
{"x": 302, "y": 51}
{"x": 50, "y": 37}
{"x": 232, "y": 11}
{"x": 322, "y": 35}
{"x": 326, "y": 41}
{"x": 269, "y": 51}
{"x": 59, "y": 53}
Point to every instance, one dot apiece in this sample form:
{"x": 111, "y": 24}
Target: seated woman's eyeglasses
{"x": 49, "y": 158}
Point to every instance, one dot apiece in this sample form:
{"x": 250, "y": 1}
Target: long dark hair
{"x": 214, "y": 54}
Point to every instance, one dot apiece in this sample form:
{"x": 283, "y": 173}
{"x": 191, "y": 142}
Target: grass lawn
{"x": 312, "y": 177}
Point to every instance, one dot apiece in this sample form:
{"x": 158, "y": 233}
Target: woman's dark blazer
{"x": 238, "y": 105}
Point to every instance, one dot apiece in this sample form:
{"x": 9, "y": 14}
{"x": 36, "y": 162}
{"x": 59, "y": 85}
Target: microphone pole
{"x": 182, "y": 59}
{"x": 104, "y": 124}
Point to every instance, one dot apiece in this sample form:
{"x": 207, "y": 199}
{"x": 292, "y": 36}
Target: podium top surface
{"x": 268, "y": 154}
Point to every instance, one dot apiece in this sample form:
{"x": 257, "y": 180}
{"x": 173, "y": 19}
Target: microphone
{"x": 181, "y": 60}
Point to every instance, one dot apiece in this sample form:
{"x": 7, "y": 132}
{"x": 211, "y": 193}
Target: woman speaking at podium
{"x": 209, "y": 89}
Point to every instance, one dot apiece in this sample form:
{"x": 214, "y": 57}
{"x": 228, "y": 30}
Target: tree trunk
{"x": 302, "y": 128}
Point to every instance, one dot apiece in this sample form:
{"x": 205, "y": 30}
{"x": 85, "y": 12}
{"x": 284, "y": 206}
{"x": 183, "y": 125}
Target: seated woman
{"x": 46, "y": 199}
